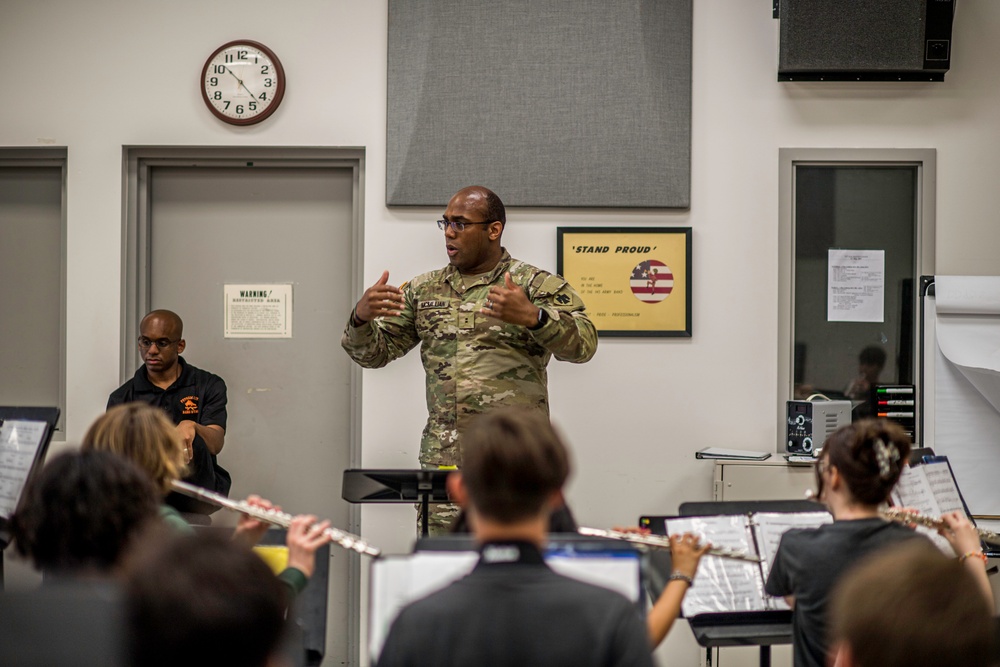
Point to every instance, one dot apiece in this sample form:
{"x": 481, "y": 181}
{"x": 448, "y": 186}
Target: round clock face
{"x": 243, "y": 82}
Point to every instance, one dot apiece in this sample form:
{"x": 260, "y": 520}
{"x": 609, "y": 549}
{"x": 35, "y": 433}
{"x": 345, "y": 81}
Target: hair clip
{"x": 884, "y": 456}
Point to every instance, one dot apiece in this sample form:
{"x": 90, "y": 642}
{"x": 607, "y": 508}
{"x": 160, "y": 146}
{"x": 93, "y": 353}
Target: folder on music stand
{"x": 371, "y": 485}
{"x": 25, "y": 433}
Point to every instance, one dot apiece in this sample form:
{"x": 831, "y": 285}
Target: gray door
{"x": 288, "y": 432}
{"x": 31, "y": 271}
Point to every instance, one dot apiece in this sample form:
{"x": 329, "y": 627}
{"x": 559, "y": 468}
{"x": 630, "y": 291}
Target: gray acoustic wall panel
{"x": 547, "y": 102}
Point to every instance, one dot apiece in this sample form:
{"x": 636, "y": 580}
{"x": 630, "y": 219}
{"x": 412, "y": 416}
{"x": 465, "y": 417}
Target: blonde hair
{"x": 144, "y": 435}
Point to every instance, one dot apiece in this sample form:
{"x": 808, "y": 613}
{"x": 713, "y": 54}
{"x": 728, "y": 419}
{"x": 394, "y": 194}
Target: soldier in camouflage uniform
{"x": 487, "y": 325}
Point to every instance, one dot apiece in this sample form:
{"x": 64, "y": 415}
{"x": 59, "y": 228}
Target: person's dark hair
{"x": 873, "y": 355}
{"x": 203, "y": 600}
{"x": 911, "y": 606}
{"x": 81, "y": 512}
{"x": 870, "y": 455}
{"x": 512, "y": 461}
{"x": 494, "y": 207}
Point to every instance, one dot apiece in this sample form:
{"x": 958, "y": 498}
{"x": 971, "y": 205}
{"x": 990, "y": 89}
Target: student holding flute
{"x": 144, "y": 435}
{"x": 859, "y": 465}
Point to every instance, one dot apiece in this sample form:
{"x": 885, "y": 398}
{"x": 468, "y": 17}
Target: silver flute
{"x": 663, "y": 542}
{"x": 275, "y": 517}
{"x": 903, "y": 516}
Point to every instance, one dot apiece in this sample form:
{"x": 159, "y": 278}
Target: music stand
{"x": 21, "y": 454}
{"x": 373, "y": 485}
{"x": 751, "y": 628}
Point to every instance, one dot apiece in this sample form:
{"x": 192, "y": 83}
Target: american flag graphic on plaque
{"x": 652, "y": 281}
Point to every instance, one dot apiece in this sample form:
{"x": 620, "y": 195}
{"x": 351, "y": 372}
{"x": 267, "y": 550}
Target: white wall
{"x": 94, "y": 76}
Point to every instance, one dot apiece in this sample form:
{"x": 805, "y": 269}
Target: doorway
{"x": 213, "y": 218}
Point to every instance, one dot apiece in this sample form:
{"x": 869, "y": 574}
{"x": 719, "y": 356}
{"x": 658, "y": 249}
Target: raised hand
{"x": 379, "y": 300}
{"x": 510, "y": 304}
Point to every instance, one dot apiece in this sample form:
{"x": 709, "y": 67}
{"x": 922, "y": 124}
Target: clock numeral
{"x": 262, "y": 96}
{"x": 265, "y": 69}
{"x": 229, "y": 57}
{"x": 239, "y": 108}
{"x": 226, "y": 108}
{"x": 268, "y": 83}
{"x": 217, "y": 95}
{"x": 219, "y": 69}
{"x": 241, "y": 54}
{"x": 253, "y": 106}
{"x": 214, "y": 81}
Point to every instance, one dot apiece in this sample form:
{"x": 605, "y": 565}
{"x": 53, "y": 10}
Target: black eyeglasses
{"x": 459, "y": 226}
{"x": 160, "y": 343}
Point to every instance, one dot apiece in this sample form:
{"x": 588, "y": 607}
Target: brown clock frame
{"x": 275, "y": 101}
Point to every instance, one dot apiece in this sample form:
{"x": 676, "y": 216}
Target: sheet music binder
{"x": 928, "y": 485}
{"x": 735, "y": 628}
{"x": 25, "y": 433}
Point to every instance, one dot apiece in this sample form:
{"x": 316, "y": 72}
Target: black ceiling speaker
{"x": 864, "y": 40}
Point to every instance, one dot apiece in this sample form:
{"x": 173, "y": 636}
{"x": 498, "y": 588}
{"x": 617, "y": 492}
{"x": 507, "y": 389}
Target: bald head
{"x": 491, "y": 206}
{"x": 169, "y": 318}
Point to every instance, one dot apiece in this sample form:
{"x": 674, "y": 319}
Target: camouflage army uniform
{"x": 473, "y": 361}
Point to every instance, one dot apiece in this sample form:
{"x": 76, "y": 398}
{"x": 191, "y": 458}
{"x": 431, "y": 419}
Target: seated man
{"x": 910, "y": 606}
{"x": 512, "y": 609}
{"x": 194, "y": 400}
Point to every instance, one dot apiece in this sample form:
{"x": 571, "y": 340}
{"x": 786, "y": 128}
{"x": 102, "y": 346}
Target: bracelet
{"x": 972, "y": 554}
{"x": 680, "y": 576}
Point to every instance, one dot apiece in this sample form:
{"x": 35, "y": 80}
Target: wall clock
{"x": 243, "y": 82}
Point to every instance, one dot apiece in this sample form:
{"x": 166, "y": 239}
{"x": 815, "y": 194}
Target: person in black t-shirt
{"x": 857, "y": 468}
{"x": 195, "y": 400}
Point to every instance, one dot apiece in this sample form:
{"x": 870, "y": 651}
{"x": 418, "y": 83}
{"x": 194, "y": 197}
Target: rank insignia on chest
{"x": 424, "y": 305}
{"x": 189, "y": 405}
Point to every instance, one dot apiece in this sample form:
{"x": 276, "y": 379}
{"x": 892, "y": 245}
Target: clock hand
{"x": 240, "y": 83}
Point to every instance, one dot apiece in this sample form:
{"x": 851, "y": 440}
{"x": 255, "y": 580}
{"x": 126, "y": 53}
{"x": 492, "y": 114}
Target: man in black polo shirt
{"x": 193, "y": 398}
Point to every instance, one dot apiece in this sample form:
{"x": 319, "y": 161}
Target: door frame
{"x": 137, "y": 161}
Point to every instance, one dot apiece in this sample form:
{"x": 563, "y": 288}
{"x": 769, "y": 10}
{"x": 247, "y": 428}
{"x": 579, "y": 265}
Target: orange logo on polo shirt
{"x": 190, "y": 404}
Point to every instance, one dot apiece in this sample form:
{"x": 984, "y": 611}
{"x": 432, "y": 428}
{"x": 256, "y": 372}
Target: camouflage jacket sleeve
{"x": 384, "y": 339}
{"x": 568, "y": 333}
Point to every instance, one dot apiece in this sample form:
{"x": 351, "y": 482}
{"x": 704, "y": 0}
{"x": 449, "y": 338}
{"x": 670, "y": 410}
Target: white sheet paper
{"x": 855, "y": 286}
{"x": 930, "y": 490}
{"x": 768, "y": 528}
{"x": 963, "y": 400}
{"x": 19, "y": 443}
{"x": 722, "y": 584}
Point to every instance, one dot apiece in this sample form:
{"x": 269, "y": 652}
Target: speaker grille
{"x": 852, "y": 35}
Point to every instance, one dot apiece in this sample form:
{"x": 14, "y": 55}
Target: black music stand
{"x": 751, "y": 628}
{"x": 363, "y": 485}
{"x": 21, "y": 463}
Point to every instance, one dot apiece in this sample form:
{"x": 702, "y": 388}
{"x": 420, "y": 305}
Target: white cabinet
{"x": 762, "y": 480}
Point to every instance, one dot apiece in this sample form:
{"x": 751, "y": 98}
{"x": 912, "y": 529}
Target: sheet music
{"x": 398, "y": 581}
{"x": 722, "y": 584}
{"x": 19, "y": 443}
{"x": 943, "y": 488}
{"x": 930, "y": 489}
{"x": 913, "y": 491}
{"x": 768, "y": 527}
{"x": 618, "y": 574}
